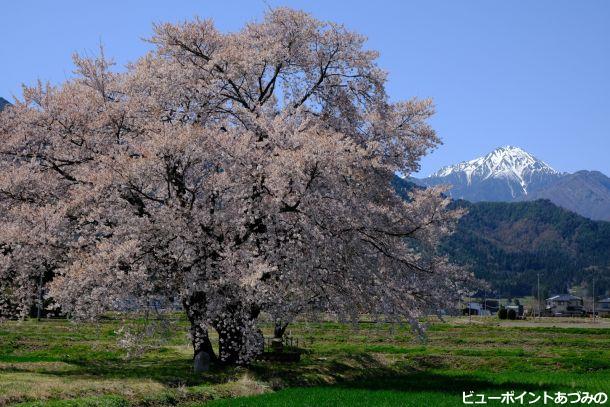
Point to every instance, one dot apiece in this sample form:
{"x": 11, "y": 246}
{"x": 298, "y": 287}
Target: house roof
{"x": 564, "y": 297}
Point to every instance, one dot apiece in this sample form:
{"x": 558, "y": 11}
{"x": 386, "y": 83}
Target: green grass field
{"x": 58, "y": 363}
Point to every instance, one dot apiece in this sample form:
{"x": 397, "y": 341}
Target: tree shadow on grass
{"x": 355, "y": 371}
{"x": 366, "y": 372}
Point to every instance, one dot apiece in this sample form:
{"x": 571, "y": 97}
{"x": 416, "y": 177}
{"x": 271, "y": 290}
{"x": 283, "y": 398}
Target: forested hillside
{"x": 508, "y": 244}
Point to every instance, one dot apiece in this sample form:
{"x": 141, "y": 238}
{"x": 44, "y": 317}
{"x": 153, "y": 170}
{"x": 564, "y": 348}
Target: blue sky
{"x": 535, "y": 74}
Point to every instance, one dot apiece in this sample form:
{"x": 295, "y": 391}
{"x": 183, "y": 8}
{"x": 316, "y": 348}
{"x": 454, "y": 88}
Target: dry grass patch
{"x": 26, "y": 386}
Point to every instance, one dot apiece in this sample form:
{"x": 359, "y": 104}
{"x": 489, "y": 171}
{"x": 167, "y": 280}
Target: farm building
{"x": 564, "y": 305}
{"x": 475, "y": 308}
{"x": 603, "y": 307}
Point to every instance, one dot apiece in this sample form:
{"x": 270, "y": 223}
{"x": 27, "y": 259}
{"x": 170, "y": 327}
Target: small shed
{"x": 565, "y": 305}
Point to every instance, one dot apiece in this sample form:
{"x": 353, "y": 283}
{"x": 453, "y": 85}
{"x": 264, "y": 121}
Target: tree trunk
{"x": 201, "y": 341}
{"x": 202, "y": 346}
{"x": 240, "y": 341}
{"x": 231, "y": 342}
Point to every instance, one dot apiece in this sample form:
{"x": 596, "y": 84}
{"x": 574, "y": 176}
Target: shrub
{"x": 512, "y": 314}
{"x": 502, "y": 314}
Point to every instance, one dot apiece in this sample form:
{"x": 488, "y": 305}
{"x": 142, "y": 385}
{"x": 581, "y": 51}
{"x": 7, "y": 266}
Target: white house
{"x": 565, "y": 305}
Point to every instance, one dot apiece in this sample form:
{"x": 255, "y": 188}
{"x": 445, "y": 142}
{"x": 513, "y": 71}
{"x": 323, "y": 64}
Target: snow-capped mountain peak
{"x": 511, "y": 164}
{"x": 510, "y": 174}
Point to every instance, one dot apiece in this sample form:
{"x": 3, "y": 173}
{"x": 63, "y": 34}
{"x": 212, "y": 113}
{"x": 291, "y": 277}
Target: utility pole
{"x": 593, "y": 299}
{"x": 538, "y": 275}
{"x": 40, "y": 297}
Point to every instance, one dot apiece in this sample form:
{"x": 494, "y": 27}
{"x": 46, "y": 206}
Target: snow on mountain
{"x": 508, "y": 162}
{"x": 505, "y": 174}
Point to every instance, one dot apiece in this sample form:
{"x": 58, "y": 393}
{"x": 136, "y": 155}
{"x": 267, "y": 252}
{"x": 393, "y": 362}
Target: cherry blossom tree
{"x": 238, "y": 173}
